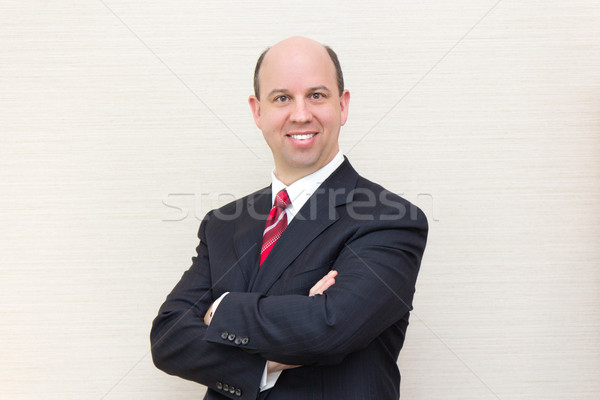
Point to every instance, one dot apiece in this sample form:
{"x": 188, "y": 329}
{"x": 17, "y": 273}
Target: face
{"x": 300, "y": 111}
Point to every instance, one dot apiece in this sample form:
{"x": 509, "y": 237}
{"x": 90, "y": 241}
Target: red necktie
{"x": 276, "y": 223}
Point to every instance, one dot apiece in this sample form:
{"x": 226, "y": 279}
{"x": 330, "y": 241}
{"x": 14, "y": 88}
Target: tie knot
{"x": 282, "y": 199}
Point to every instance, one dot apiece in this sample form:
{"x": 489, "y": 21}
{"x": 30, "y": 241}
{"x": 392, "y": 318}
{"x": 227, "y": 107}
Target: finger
{"x": 323, "y": 284}
{"x": 273, "y": 366}
{"x": 316, "y": 289}
{"x": 317, "y": 286}
{"x": 329, "y": 283}
{"x": 208, "y": 316}
{"x": 319, "y": 289}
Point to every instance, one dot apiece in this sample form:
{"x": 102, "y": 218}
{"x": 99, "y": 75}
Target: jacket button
{"x": 226, "y": 387}
{"x": 231, "y": 337}
{"x": 238, "y": 392}
{"x": 219, "y": 385}
{"x": 231, "y": 389}
{"x": 244, "y": 340}
{"x": 224, "y": 335}
{"x": 238, "y": 340}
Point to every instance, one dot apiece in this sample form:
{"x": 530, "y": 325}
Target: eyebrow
{"x": 319, "y": 88}
{"x": 312, "y": 89}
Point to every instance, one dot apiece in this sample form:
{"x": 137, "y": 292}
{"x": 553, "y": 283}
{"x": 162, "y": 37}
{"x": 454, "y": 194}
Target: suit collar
{"x": 316, "y": 215}
{"x": 247, "y": 239}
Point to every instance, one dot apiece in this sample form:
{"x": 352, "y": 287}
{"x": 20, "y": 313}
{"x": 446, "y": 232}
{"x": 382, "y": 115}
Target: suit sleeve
{"x": 377, "y": 272}
{"x": 178, "y": 347}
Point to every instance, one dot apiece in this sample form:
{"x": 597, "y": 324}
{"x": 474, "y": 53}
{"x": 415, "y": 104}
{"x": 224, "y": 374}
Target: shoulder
{"x": 365, "y": 200}
{"x": 373, "y": 199}
{"x": 254, "y": 204}
{"x": 243, "y": 203}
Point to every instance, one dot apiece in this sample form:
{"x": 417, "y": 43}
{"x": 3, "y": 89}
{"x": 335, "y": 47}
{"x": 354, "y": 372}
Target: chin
{"x": 305, "y": 162}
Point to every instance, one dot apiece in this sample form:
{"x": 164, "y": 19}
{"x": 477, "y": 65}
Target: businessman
{"x": 301, "y": 290}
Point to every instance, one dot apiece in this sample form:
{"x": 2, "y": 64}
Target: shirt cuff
{"x": 268, "y": 380}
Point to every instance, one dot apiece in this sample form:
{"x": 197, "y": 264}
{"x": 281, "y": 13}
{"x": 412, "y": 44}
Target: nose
{"x": 301, "y": 112}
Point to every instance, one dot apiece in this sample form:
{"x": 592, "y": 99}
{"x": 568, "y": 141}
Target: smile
{"x": 303, "y": 137}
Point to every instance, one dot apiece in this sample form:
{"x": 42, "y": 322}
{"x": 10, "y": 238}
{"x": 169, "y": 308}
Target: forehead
{"x": 297, "y": 68}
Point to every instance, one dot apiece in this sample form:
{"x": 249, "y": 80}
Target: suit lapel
{"x": 247, "y": 239}
{"x": 316, "y": 215}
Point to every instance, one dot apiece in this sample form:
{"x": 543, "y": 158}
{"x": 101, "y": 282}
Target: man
{"x": 311, "y": 299}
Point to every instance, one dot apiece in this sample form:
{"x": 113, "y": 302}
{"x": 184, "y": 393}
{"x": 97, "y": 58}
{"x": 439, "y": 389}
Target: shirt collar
{"x": 300, "y": 191}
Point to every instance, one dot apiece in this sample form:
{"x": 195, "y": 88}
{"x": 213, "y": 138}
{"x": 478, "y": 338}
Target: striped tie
{"x": 276, "y": 223}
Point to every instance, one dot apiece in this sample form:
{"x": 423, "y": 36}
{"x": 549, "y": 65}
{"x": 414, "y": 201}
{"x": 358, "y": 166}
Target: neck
{"x": 288, "y": 178}
{"x": 290, "y": 175}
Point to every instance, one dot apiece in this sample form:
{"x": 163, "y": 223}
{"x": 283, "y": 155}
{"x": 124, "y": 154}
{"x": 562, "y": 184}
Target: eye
{"x": 317, "y": 96}
{"x": 281, "y": 99}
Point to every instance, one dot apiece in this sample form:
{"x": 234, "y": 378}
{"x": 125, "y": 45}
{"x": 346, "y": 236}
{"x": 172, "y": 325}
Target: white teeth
{"x": 303, "y": 137}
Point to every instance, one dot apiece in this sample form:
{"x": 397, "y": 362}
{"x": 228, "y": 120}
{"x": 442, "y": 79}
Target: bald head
{"x": 291, "y": 47}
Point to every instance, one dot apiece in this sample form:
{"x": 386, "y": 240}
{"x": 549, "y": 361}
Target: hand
{"x": 325, "y": 283}
{"x": 208, "y": 315}
{"x": 273, "y": 366}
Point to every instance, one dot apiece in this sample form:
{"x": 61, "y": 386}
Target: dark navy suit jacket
{"x": 347, "y": 340}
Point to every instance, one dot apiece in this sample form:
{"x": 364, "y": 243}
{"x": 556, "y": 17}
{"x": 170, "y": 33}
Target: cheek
{"x": 328, "y": 118}
{"x": 271, "y": 130}
{"x": 273, "y": 121}
{"x": 329, "y": 112}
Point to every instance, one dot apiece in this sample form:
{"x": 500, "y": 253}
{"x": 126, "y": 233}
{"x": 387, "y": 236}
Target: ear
{"x": 344, "y": 104}
{"x": 255, "y": 107}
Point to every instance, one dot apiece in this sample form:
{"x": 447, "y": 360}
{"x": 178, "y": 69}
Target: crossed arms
{"x": 321, "y": 286}
{"x": 377, "y": 266}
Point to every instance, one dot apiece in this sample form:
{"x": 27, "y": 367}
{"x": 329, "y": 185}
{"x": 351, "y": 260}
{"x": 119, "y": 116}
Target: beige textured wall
{"x": 485, "y": 113}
